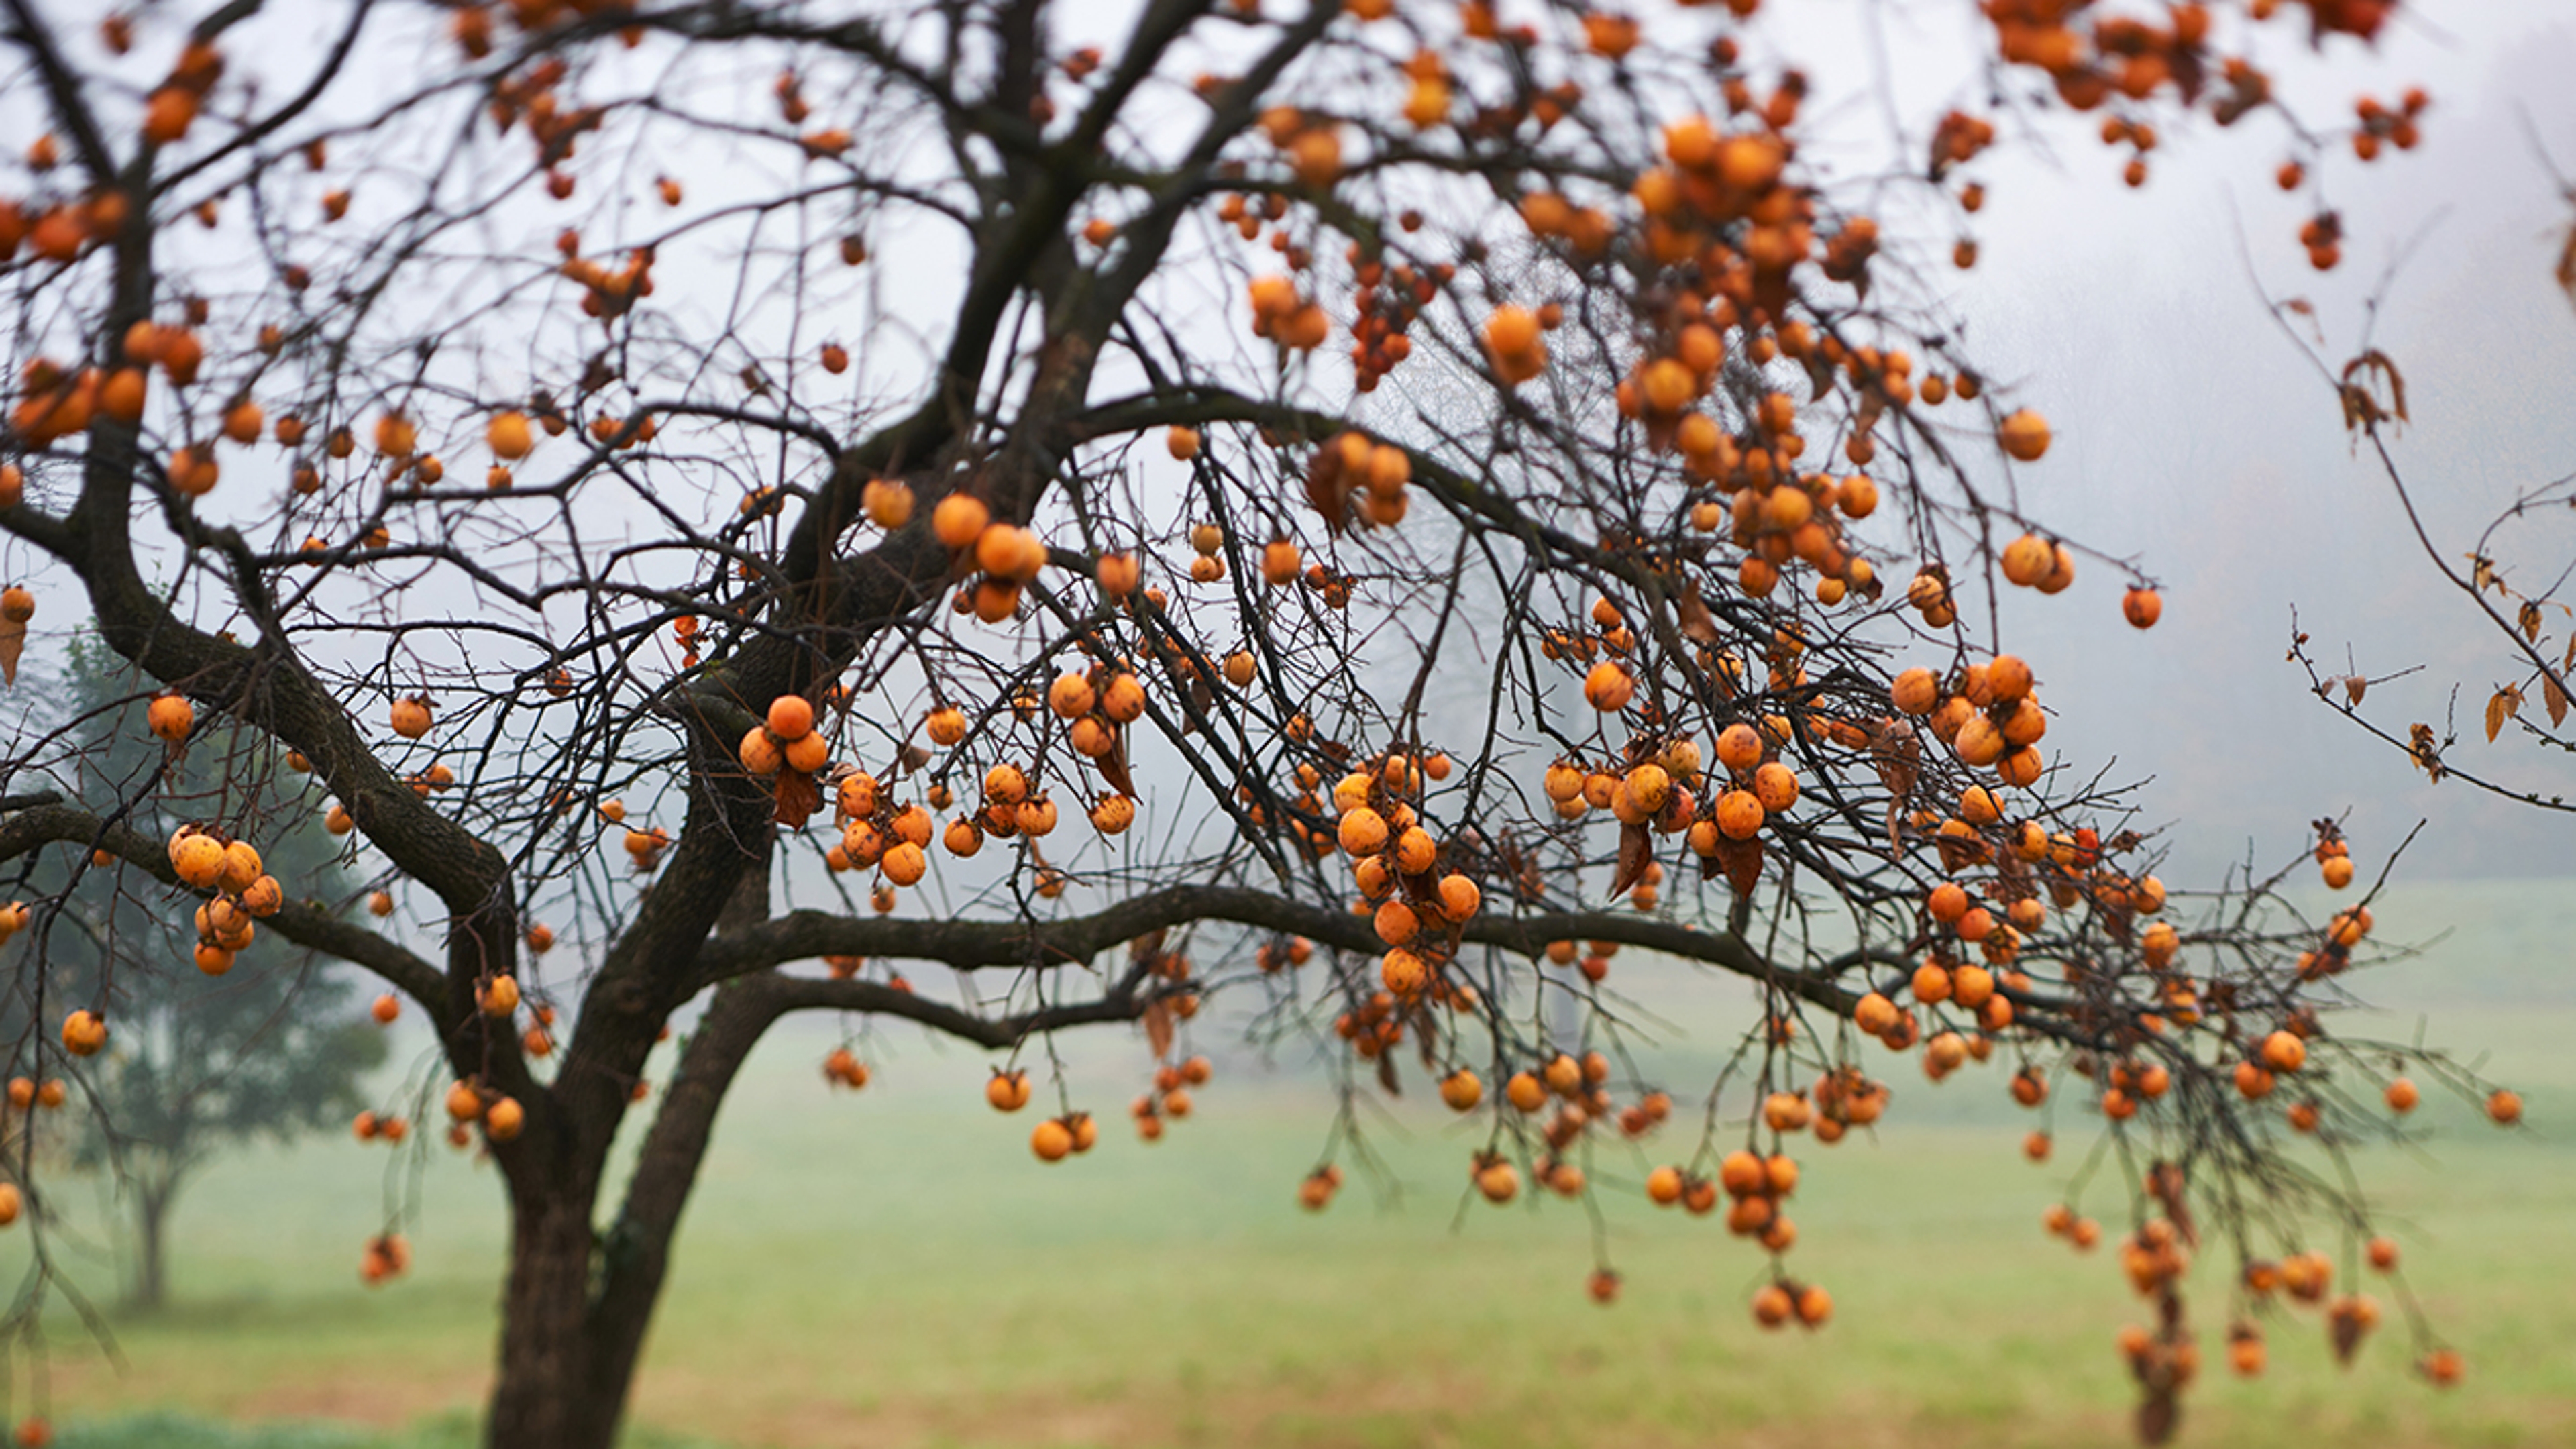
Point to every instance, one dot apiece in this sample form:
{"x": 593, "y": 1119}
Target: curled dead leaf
{"x": 1113, "y": 766}
{"x": 798, "y": 798}
{"x": 2503, "y": 705}
{"x": 1698, "y": 625}
{"x": 2426, "y": 747}
{"x": 2361, "y": 404}
{"x": 1636, "y": 852}
{"x": 1742, "y": 862}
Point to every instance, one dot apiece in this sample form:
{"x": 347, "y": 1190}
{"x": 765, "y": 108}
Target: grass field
{"x": 891, "y": 1269}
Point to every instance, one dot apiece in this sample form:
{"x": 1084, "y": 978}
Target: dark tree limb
{"x": 303, "y": 923}
{"x": 974, "y": 945}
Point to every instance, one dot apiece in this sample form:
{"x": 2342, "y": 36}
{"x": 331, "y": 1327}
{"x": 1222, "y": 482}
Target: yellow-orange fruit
{"x": 1739, "y": 815}
{"x": 1608, "y": 688}
{"x": 1739, "y": 747}
{"x": 197, "y": 857}
{"x": 1776, "y": 786}
{"x": 2284, "y": 1052}
{"x": 960, "y": 520}
{"x": 84, "y": 1032}
{"x": 904, "y": 863}
{"x": 1459, "y": 897}
{"x": 171, "y": 717}
{"x": 1916, "y": 691}
{"x": 1118, "y": 573}
{"x": 2024, "y": 435}
{"x": 1363, "y": 832}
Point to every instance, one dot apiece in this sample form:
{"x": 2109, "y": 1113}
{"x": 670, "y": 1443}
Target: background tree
{"x": 1343, "y": 505}
{"x": 203, "y": 1063}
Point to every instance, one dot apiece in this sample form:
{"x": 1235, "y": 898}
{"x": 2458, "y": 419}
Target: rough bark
{"x": 540, "y": 1392}
{"x": 637, "y": 1255}
{"x": 575, "y": 1319}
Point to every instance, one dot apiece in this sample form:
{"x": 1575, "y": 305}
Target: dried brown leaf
{"x": 1698, "y": 625}
{"x": 2380, "y": 363}
{"x": 2555, "y": 698}
{"x": 1158, "y": 1029}
{"x": 2426, "y": 747}
{"x": 2503, "y": 705}
{"x": 1636, "y": 852}
{"x": 2530, "y": 619}
{"x": 798, "y": 798}
{"x": 2354, "y": 688}
{"x": 13, "y": 643}
{"x": 1820, "y": 372}
{"x": 1328, "y": 488}
{"x": 1896, "y": 752}
{"x": 1113, "y": 766}
{"x": 1742, "y": 861}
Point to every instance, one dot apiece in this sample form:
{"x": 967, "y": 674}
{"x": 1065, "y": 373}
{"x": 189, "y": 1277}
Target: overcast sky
{"x": 2193, "y": 434}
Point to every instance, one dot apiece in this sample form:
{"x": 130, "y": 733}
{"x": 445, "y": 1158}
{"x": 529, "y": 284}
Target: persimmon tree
{"x": 1362, "y": 512}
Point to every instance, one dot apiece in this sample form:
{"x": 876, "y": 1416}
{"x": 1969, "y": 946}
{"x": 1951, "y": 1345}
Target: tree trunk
{"x": 546, "y": 1393}
{"x": 151, "y": 1288}
{"x": 577, "y": 1309}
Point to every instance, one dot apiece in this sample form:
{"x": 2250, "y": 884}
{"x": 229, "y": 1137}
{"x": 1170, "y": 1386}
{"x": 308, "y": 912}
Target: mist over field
{"x": 887, "y": 1269}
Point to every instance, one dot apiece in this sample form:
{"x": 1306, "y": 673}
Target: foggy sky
{"x": 2195, "y": 437}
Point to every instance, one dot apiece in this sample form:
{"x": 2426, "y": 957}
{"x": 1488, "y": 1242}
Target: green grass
{"x": 186, "y": 1431}
{"x": 891, "y": 1268}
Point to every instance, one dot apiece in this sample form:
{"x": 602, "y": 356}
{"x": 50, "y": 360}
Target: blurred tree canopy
{"x": 270, "y": 1050}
